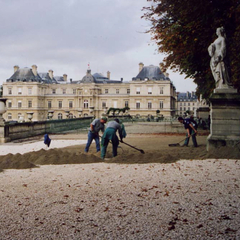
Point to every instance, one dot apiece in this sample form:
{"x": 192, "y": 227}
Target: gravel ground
{"x": 184, "y": 200}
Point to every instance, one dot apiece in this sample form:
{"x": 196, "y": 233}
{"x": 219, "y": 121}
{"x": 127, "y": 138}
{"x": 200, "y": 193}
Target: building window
{"x": 137, "y": 105}
{"x": 9, "y": 104}
{"x": 188, "y": 104}
{"x": 19, "y": 104}
{"x": 126, "y": 103}
{"x": 184, "y": 104}
{"x": 85, "y": 104}
{"x": 10, "y": 91}
{"x": 70, "y": 104}
{"x": 53, "y": 91}
{"x": 138, "y": 90}
{"x": 29, "y": 91}
{"x": 60, "y": 116}
{"x": 180, "y": 104}
{"x": 149, "y": 105}
{"x": 19, "y": 90}
{"x": 59, "y": 104}
{"x": 49, "y": 104}
{"x": 161, "y": 90}
{"x": 189, "y": 108}
{"x": 104, "y": 104}
{"x": 9, "y": 116}
{"x": 106, "y": 91}
{"x": 74, "y": 91}
{"x": 128, "y": 91}
{"x": 64, "y": 91}
{"x": 184, "y": 109}
{"x": 117, "y": 91}
{"x": 180, "y": 108}
{"x": 70, "y": 115}
{"x": 161, "y": 104}
{"x": 193, "y": 104}
{"x": 29, "y": 104}
{"x": 149, "y": 90}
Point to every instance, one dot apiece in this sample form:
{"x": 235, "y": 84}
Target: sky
{"x": 67, "y": 35}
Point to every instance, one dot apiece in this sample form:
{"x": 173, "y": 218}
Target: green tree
{"x": 183, "y": 30}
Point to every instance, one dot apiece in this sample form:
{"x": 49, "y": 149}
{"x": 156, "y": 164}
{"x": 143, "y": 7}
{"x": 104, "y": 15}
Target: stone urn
{"x": 91, "y": 109}
{"x": 21, "y": 119}
{"x": 30, "y": 116}
{"x": 3, "y": 109}
{"x": 67, "y": 114}
{"x": 80, "y": 112}
{"x": 105, "y": 110}
{"x": 50, "y": 114}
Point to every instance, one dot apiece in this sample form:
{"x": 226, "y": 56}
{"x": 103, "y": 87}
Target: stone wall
{"x": 10, "y": 132}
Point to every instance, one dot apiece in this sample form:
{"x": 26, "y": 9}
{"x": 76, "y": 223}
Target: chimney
{"x": 50, "y": 72}
{"x": 65, "y": 77}
{"x": 16, "y": 67}
{"x": 34, "y": 69}
{"x": 108, "y": 75}
{"x": 141, "y": 65}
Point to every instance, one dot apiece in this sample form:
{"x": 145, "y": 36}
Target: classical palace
{"x": 45, "y": 96}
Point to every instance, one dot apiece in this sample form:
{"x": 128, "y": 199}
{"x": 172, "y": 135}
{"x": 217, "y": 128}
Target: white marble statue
{"x": 217, "y": 52}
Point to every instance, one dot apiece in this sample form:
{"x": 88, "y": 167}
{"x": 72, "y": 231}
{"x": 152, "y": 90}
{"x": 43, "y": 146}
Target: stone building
{"x": 186, "y": 102}
{"x": 44, "y": 95}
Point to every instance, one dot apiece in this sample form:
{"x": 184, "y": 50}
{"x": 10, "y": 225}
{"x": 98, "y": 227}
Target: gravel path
{"x": 185, "y": 200}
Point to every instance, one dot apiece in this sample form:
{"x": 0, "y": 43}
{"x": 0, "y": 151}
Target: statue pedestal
{"x": 225, "y": 118}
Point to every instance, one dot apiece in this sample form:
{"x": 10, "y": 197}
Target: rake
{"x": 178, "y": 144}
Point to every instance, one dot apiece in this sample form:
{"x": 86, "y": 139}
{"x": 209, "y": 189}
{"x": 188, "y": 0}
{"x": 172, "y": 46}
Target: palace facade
{"x": 45, "y": 96}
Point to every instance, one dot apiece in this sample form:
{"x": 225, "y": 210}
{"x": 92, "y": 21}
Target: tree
{"x": 183, "y": 30}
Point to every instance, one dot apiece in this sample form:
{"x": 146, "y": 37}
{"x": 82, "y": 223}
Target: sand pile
{"x": 155, "y": 147}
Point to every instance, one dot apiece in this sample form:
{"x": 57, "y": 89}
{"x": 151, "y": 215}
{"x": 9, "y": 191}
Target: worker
{"x": 191, "y": 131}
{"x": 93, "y": 132}
{"x": 110, "y": 135}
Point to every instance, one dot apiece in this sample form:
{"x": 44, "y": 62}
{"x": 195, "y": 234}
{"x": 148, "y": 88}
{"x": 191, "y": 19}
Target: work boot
{"x": 184, "y": 145}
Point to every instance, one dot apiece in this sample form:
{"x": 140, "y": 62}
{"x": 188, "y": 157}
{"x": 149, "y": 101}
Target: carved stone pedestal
{"x": 225, "y": 119}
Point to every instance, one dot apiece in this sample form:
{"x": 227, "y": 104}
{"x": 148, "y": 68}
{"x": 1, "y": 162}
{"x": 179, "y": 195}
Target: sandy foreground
{"x": 133, "y": 196}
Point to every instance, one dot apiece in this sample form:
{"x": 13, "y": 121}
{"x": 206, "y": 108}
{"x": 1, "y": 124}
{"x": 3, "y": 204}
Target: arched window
{"x": 60, "y": 116}
{"x": 85, "y": 104}
{"x": 85, "y": 115}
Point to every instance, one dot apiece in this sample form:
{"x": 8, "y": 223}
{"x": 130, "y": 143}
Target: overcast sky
{"x": 66, "y": 35}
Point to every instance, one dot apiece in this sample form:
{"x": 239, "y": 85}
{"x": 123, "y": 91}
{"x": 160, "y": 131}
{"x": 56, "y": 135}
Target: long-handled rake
{"x": 141, "y": 151}
{"x": 129, "y": 146}
{"x": 178, "y": 144}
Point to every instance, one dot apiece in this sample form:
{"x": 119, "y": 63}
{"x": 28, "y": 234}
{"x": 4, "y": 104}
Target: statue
{"x": 217, "y": 52}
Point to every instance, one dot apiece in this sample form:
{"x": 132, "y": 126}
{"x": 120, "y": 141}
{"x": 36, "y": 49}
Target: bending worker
{"x": 110, "y": 135}
{"x": 191, "y": 131}
{"x": 93, "y": 133}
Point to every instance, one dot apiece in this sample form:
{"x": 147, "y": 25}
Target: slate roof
{"x": 97, "y": 78}
{"x": 46, "y": 78}
{"x": 150, "y": 72}
{"x": 24, "y": 75}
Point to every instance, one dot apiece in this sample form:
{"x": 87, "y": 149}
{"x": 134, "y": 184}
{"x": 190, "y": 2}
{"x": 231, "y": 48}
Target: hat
{"x": 117, "y": 120}
{"x": 104, "y": 119}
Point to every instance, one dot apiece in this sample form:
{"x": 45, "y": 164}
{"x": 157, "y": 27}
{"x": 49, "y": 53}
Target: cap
{"x": 104, "y": 118}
